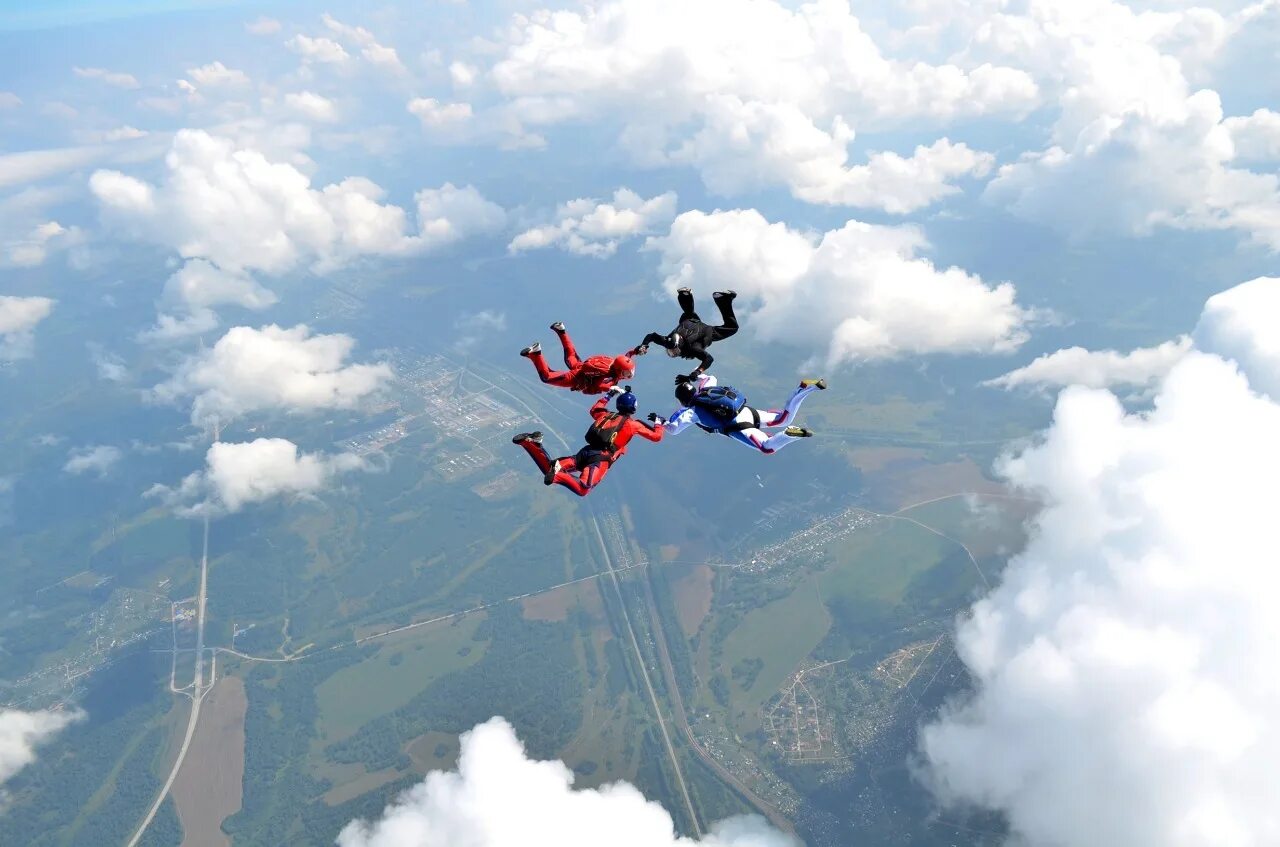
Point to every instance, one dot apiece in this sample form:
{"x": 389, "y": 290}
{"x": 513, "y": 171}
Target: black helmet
{"x": 685, "y": 392}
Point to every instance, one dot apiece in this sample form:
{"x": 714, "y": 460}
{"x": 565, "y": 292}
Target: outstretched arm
{"x": 647, "y": 431}
{"x": 679, "y": 421}
{"x": 654, "y": 338}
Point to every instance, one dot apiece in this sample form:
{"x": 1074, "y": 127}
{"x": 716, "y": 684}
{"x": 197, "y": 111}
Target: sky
{"x": 1075, "y": 198}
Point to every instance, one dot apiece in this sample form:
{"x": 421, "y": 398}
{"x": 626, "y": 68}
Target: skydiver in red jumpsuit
{"x": 606, "y": 443}
{"x": 590, "y": 376}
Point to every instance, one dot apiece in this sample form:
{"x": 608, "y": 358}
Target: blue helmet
{"x": 626, "y": 403}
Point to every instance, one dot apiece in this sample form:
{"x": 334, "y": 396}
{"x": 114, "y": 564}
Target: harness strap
{"x": 736, "y": 426}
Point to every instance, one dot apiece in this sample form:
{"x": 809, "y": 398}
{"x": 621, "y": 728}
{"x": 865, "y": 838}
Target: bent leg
{"x": 571, "y": 359}
{"x": 540, "y": 457}
{"x": 582, "y": 484}
{"x": 729, "y": 319}
{"x": 561, "y": 379}
{"x": 783, "y": 417}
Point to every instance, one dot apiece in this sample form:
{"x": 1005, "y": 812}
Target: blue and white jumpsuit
{"x": 753, "y": 436}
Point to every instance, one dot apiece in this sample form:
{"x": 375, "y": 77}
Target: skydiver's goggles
{"x": 674, "y": 341}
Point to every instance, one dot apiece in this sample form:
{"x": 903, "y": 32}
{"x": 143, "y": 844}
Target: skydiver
{"x": 722, "y": 409}
{"x": 691, "y": 337}
{"x": 590, "y": 376}
{"x": 606, "y": 443}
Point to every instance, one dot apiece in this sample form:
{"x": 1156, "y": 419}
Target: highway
{"x": 198, "y": 690}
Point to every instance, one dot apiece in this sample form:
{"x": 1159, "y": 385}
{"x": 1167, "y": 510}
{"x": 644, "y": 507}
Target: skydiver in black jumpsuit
{"x": 691, "y": 337}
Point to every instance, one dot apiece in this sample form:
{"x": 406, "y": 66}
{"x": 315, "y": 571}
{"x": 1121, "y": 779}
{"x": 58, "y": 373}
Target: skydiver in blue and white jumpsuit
{"x": 749, "y": 425}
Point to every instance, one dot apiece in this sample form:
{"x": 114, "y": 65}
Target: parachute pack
{"x": 592, "y": 370}
{"x": 723, "y": 401}
{"x": 604, "y": 432}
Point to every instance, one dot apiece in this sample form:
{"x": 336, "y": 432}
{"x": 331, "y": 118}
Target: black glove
{"x": 657, "y": 419}
{"x": 681, "y": 379}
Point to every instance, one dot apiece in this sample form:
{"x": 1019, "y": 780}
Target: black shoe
{"x": 820, "y": 384}
{"x": 558, "y": 327}
{"x": 535, "y": 437}
{"x": 535, "y": 347}
{"x": 550, "y": 476}
{"x": 798, "y": 432}
{"x": 725, "y": 295}
{"x": 684, "y": 291}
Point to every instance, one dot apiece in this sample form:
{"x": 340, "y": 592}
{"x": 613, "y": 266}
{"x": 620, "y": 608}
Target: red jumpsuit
{"x": 594, "y": 376}
{"x": 579, "y": 473}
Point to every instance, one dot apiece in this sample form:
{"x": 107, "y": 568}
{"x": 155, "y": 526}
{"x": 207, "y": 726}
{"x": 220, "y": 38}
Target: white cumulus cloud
{"x": 1135, "y": 146}
{"x": 218, "y": 75}
{"x": 42, "y": 240}
{"x": 590, "y": 227}
{"x": 1242, "y": 324}
{"x": 751, "y": 94}
{"x": 114, "y": 78}
{"x": 499, "y": 797}
{"x": 19, "y": 317}
{"x": 310, "y": 105}
{"x": 250, "y": 370}
{"x": 323, "y": 50}
{"x": 449, "y": 213}
{"x": 860, "y": 293}
{"x": 1124, "y": 668}
{"x": 240, "y": 474}
{"x": 238, "y": 209}
{"x": 1138, "y": 369}
{"x": 97, "y": 459}
{"x": 22, "y": 732}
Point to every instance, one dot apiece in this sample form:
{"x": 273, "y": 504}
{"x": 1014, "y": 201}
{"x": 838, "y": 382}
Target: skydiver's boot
{"x": 820, "y": 384}
{"x": 558, "y": 327}
{"x": 550, "y": 476}
{"x": 535, "y": 347}
{"x": 728, "y": 294}
{"x": 798, "y": 432}
{"x": 535, "y": 437}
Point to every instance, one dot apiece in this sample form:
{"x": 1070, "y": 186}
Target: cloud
{"x": 1123, "y": 668}
{"x": 589, "y": 227}
{"x": 262, "y": 26}
{"x": 22, "y": 732}
{"x": 234, "y": 207}
{"x": 9, "y": 100}
{"x": 240, "y": 474}
{"x": 860, "y": 292}
{"x": 1241, "y": 324}
{"x": 119, "y": 80}
{"x": 437, "y": 117}
{"x": 18, "y": 319}
{"x": 376, "y": 54}
{"x": 1256, "y": 137}
{"x": 538, "y": 806}
{"x": 99, "y": 459}
{"x": 448, "y": 214}
{"x": 751, "y": 94}
{"x": 42, "y": 240}
{"x": 744, "y": 147}
{"x": 251, "y": 370}
{"x": 120, "y": 133}
{"x": 218, "y": 75}
{"x": 193, "y": 292}
{"x": 312, "y": 106}
{"x": 110, "y": 366}
{"x": 475, "y": 327}
{"x": 37, "y": 165}
{"x": 322, "y": 50}
{"x": 1134, "y": 147}
{"x": 1139, "y": 369}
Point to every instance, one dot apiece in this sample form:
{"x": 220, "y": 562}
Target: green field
{"x": 780, "y": 635}
{"x": 390, "y": 678}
